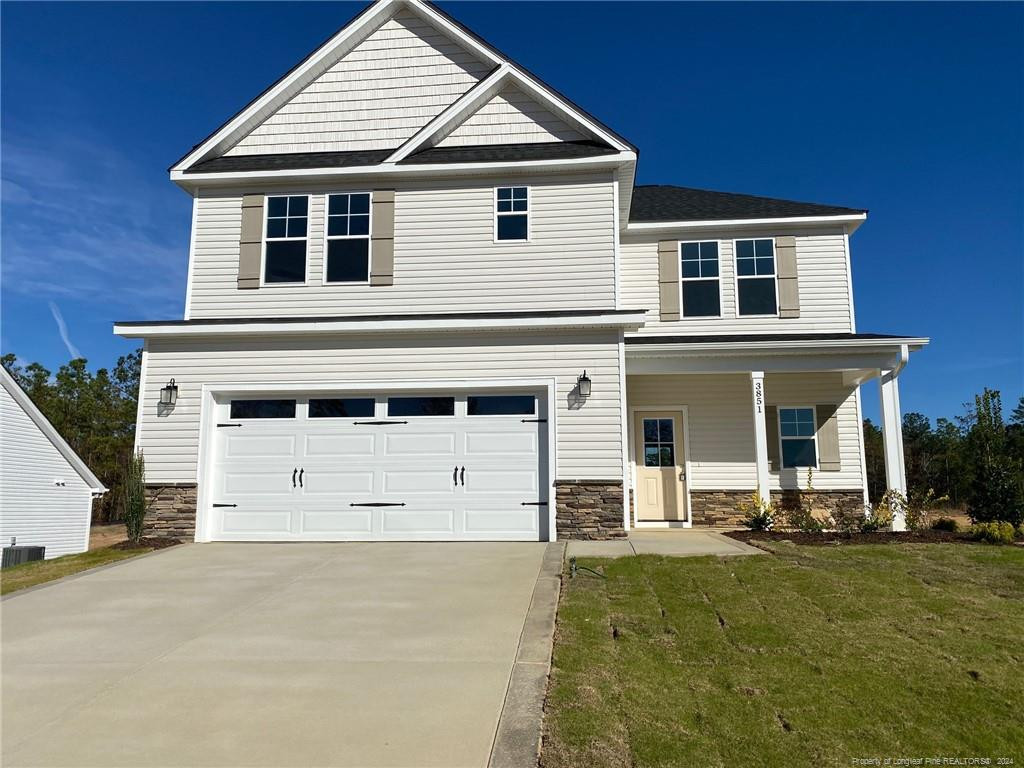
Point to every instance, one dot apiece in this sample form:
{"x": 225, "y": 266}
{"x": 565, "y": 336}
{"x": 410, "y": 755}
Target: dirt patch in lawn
{"x": 156, "y": 542}
{"x": 835, "y": 537}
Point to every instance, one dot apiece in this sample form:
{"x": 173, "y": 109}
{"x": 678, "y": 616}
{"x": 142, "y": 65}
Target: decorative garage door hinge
{"x": 225, "y": 505}
{"x": 229, "y": 425}
{"x": 379, "y": 504}
{"x": 534, "y": 504}
{"x": 380, "y": 422}
{"x": 533, "y": 421}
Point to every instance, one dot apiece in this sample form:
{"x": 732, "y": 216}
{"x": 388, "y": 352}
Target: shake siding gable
{"x": 445, "y": 257}
{"x": 375, "y": 97}
{"x": 824, "y": 289}
{"x": 589, "y": 436}
{"x": 510, "y": 117}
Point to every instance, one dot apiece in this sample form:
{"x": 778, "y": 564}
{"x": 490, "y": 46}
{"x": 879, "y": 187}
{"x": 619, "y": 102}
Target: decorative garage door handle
{"x": 455, "y": 475}
{"x": 294, "y": 471}
{"x": 462, "y": 476}
{"x": 301, "y": 471}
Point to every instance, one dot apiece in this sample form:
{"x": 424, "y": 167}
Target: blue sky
{"x": 914, "y": 111}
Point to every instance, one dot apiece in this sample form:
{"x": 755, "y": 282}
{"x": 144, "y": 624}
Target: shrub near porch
{"x": 815, "y": 656}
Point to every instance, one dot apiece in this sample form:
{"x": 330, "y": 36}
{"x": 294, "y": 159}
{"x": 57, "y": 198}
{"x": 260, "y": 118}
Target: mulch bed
{"x": 156, "y": 542}
{"x": 835, "y": 537}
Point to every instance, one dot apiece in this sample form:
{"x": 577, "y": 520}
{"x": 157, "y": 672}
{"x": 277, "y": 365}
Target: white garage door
{"x": 440, "y": 466}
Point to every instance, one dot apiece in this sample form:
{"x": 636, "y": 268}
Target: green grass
{"x": 814, "y": 656}
{"x": 41, "y": 571}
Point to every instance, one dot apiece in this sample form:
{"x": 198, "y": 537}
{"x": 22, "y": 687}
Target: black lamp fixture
{"x": 169, "y": 393}
{"x": 583, "y": 384}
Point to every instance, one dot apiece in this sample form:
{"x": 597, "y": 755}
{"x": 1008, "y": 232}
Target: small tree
{"x": 995, "y": 492}
{"x": 133, "y": 497}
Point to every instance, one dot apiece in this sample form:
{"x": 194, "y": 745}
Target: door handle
{"x": 301, "y": 471}
{"x": 463, "y": 476}
{"x": 294, "y": 472}
{"x": 455, "y": 475}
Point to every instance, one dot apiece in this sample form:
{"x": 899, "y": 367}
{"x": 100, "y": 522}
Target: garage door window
{"x": 341, "y": 407}
{"x": 421, "y": 406}
{"x": 501, "y": 405}
{"x": 262, "y": 409}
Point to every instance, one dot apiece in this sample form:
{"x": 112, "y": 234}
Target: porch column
{"x": 760, "y": 434}
{"x": 892, "y": 439}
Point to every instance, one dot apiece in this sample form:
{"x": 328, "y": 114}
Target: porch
{"x": 712, "y": 420}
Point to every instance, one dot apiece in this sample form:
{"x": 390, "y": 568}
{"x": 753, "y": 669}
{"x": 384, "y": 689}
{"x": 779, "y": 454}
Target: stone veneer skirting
{"x": 589, "y": 509}
{"x": 171, "y": 510}
{"x": 722, "y": 507}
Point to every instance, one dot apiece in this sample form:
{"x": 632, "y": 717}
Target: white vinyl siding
{"x": 721, "y": 425}
{"x": 588, "y": 437}
{"x": 378, "y": 95}
{"x": 822, "y": 274}
{"x": 510, "y": 117}
{"x": 446, "y": 259}
{"x": 32, "y": 507}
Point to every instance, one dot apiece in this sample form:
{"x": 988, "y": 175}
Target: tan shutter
{"x": 668, "y": 279}
{"x": 771, "y": 424}
{"x": 250, "y": 246}
{"x": 789, "y": 292}
{"x": 382, "y": 238}
{"x": 828, "y": 437}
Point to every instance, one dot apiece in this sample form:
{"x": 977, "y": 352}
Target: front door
{"x": 660, "y": 491}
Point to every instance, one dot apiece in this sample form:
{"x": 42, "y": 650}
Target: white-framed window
{"x": 511, "y": 214}
{"x": 284, "y": 238}
{"x": 700, "y": 289}
{"x": 756, "y": 288}
{"x": 347, "y": 249}
{"x": 798, "y": 441}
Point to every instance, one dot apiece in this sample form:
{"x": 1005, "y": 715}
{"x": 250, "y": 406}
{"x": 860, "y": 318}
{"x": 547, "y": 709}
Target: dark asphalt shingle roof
{"x": 660, "y": 202}
{"x": 499, "y": 153}
{"x": 291, "y": 161}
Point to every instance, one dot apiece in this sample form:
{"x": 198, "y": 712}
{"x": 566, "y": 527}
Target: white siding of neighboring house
{"x": 588, "y": 437}
{"x": 721, "y": 424}
{"x": 510, "y": 117}
{"x": 375, "y": 97}
{"x": 446, "y": 259}
{"x": 32, "y": 507}
{"x": 821, "y": 273}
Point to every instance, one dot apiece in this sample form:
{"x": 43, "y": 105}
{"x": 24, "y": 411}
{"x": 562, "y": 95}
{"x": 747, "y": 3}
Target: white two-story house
{"x": 427, "y": 301}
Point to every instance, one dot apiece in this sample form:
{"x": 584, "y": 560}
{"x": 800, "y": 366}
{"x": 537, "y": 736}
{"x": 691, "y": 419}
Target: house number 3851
{"x": 759, "y": 396}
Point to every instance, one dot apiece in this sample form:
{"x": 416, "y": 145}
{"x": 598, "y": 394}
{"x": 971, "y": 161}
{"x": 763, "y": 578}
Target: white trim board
{"x": 655, "y": 226}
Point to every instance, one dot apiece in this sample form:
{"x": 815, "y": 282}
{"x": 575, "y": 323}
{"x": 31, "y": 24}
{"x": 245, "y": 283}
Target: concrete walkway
{"x": 685, "y": 542}
{"x": 270, "y": 655}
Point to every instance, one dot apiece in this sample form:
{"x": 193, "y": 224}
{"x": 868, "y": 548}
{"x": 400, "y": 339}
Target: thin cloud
{"x": 62, "y": 327}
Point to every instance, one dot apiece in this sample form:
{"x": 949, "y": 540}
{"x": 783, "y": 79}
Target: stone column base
{"x": 171, "y": 510}
{"x": 589, "y": 509}
{"x": 722, "y": 508}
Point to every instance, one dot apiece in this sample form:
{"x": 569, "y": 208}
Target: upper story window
{"x": 348, "y": 238}
{"x": 755, "y": 277}
{"x": 287, "y": 225}
{"x": 797, "y": 435}
{"x": 699, "y": 270}
{"x": 512, "y": 213}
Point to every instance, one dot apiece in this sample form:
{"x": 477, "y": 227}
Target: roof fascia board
{"x": 863, "y": 364}
{"x": 410, "y": 325}
{"x": 350, "y": 34}
{"x": 51, "y": 433}
{"x": 854, "y": 219}
{"x": 675, "y": 349}
{"x": 190, "y": 180}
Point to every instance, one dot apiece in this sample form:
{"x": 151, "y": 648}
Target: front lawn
{"x": 811, "y": 656}
{"x": 40, "y": 571}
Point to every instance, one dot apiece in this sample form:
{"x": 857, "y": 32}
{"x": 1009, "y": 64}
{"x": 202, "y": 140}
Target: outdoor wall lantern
{"x": 169, "y": 393}
{"x": 583, "y": 383}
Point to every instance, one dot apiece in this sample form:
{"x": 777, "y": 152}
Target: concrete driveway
{"x": 269, "y": 655}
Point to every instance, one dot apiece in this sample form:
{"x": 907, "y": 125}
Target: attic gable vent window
{"x": 512, "y": 213}
{"x": 287, "y": 224}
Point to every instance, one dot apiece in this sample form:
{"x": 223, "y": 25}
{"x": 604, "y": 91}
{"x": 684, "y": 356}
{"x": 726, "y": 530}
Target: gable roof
{"x": 664, "y": 203}
{"x": 349, "y": 36}
{"x": 50, "y": 432}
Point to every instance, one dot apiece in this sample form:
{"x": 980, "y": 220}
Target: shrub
{"x": 801, "y": 518}
{"x": 134, "y": 496}
{"x": 945, "y": 524}
{"x": 876, "y": 518}
{"x": 993, "y": 532}
{"x": 759, "y": 515}
{"x": 846, "y": 520}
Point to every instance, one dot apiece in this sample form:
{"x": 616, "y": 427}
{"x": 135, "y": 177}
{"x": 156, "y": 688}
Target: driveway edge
{"x": 517, "y": 739}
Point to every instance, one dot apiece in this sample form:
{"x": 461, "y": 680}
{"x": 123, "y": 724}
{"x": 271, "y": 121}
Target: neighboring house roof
{"x": 30, "y": 409}
{"x": 662, "y": 202}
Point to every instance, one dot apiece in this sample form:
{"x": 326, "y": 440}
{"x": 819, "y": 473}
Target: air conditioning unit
{"x": 23, "y": 554}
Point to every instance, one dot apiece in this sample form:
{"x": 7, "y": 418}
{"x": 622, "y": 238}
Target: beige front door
{"x": 661, "y": 490}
